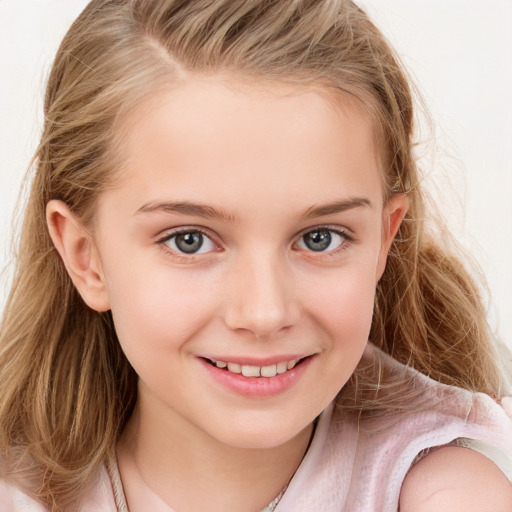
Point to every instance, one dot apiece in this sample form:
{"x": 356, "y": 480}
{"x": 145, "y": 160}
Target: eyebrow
{"x": 209, "y": 212}
{"x": 338, "y": 206}
{"x": 187, "y": 208}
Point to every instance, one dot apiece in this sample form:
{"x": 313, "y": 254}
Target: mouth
{"x": 245, "y": 377}
{"x": 246, "y": 370}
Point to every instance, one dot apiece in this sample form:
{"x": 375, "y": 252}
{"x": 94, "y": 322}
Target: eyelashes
{"x": 321, "y": 240}
{"x": 187, "y": 243}
{"x": 324, "y": 242}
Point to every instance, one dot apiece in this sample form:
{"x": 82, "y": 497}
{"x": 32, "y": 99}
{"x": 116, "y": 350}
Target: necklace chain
{"x": 273, "y": 504}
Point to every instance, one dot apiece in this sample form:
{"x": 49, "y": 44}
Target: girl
{"x": 226, "y": 209}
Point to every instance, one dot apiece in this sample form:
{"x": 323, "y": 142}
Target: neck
{"x": 168, "y": 465}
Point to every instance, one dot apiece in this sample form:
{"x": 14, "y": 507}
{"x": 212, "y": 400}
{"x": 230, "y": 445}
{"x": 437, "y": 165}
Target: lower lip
{"x": 257, "y": 387}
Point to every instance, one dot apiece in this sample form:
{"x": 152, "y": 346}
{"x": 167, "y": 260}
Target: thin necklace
{"x": 120, "y": 499}
{"x": 273, "y": 504}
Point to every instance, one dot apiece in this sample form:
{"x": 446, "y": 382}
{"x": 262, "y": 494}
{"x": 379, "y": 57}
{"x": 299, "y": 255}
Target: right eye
{"x": 189, "y": 242}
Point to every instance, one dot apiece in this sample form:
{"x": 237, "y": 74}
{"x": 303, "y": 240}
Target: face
{"x": 240, "y": 254}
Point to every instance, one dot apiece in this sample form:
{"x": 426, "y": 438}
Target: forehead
{"x": 260, "y": 137}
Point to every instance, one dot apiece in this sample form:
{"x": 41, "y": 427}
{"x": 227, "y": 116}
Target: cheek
{"x": 341, "y": 314}
{"x": 156, "y": 307}
{"x": 344, "y": 307}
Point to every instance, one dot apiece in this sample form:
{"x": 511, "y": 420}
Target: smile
{"x": 257, "y": 371}
{"x": 268, "y": 379}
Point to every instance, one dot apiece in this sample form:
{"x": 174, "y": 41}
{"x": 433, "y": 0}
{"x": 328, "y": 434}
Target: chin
{"x": 261, "y": 435}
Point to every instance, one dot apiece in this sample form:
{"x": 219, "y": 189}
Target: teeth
{"x": 269, "y": 371}
{"x": 251, "y": 371}
{"x": 291, "y": 364}
{"x": 234, "y": 368}
{"x": 257, "y": 371}
{"x": 282, "y": 367}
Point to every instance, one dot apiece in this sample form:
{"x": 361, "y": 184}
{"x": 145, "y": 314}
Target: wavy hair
{"x": 66, "y": 388}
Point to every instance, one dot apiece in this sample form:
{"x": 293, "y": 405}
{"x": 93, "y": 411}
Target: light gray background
{"x": 460, "y": 54}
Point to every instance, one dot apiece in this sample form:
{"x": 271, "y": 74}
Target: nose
{"x": 261, "y": 301}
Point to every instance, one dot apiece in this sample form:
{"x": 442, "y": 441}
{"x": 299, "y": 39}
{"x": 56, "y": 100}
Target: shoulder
{"x": 12, "y": 499}
{"x": 99, "y": 497}
{"x": 453, "y": 479}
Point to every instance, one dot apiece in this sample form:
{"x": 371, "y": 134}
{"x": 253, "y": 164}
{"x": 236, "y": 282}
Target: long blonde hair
{"x": 67, "y": 389}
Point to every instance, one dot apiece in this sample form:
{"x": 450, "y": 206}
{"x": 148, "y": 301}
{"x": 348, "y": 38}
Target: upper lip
{"x": 257, "y": 361}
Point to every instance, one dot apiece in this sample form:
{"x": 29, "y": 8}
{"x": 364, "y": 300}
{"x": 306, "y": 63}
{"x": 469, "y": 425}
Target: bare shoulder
{"x": 453, "y": 479}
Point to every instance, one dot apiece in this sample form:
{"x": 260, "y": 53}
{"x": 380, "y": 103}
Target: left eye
{"x": 190, "y": 242}
{"x": 321, "y": 240}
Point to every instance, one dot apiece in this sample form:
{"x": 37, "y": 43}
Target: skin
{"x": 273, "y": 164}
{"x": 456, "y": 479}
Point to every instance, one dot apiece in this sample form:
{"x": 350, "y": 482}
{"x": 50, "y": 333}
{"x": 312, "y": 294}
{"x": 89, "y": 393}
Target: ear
{"x": 392, "y": 217}
{"x": 79, "y": 254}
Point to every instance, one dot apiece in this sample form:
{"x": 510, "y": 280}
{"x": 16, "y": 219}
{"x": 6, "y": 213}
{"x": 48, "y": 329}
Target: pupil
{"x": 189, "y": 242}
{"x": 318, "y": 240}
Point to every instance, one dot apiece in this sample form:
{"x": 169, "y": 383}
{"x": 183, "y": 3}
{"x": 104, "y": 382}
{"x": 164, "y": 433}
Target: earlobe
{"x": 394, "y": 213}
{"x": 78, "y": 253}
